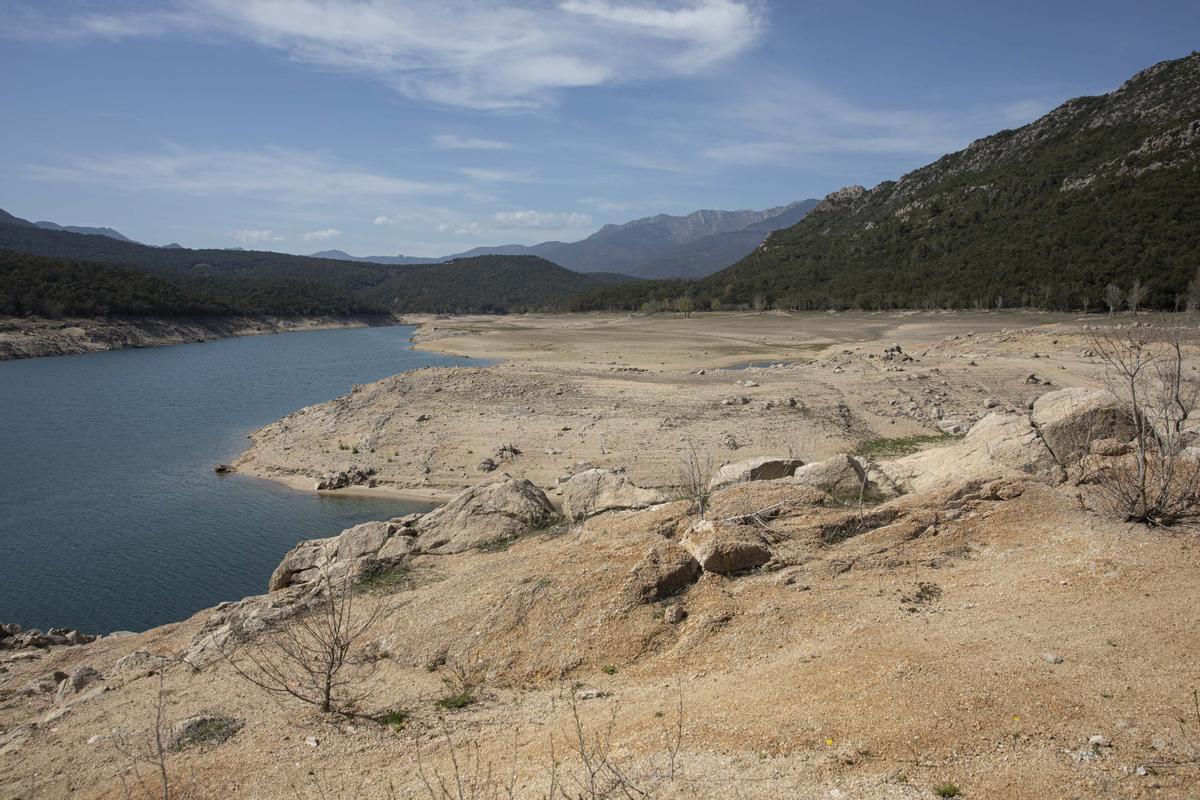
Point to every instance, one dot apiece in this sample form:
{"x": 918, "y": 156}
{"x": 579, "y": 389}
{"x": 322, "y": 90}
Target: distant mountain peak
{"x": 84, "y": 230}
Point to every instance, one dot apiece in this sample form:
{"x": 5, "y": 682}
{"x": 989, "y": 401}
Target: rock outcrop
{"x": 595, "y": 491}
{"x": 490, "y": 511}
{"x": 755, "y": 469}
{"x": 1070, "y": 419}
{"x": 13, "y": 637}
{"x": 1000, "y": 442}
{"x": 494, "y": 510}
{"x": 842, "y": 473}
{"x": 666, "y": 570}
{"x": 726, "y": 549}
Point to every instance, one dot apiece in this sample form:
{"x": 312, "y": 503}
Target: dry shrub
{"x": 1157, "y": 484}
{"x": 309, "y": 655}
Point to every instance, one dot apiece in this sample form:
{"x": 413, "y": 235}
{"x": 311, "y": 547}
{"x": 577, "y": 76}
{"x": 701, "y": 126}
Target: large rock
{"x": 666, "y": 569}
{"x": 839, "y": 474}
{"x": 345, "y": 556}
{"x": 497, "y": 509}
{"x": 79, "y": 680}
{"x": 755, "y": 469}
{"x": 999, "y": 443}
{"x": 726, "y": 549}
{"x": 595, "y": 491}
{"x": 1070, "y": 419}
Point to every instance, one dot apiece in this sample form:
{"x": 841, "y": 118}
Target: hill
{"x": 109, "y": 232}
{"x": 661, "y": 246}
{"x": 251, "y": 281}
{"x": 1101, "y": 190}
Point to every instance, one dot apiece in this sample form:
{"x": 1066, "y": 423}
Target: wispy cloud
{"x": 322, "y": 235}
{"x": 484, "y": 175}
{"x": 296, "y": 175}
{"x": 539, "y": 220}
{"x": 450, "y": 141}
{"x": 455, "y": 52}
{"x": 250, "y": 238}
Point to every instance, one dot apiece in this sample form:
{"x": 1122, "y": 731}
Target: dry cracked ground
{"x": 978, "y": 625}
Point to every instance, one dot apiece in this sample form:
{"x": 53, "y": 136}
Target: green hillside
{"x": 1102, "y": 189}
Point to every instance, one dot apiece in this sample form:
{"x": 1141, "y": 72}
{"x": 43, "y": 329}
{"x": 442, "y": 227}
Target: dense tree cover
{"x": 56, "y": 287}
{"x": 85, "y": 274}
{"x": 1102, "y": 190}
{"x": 52, "y": 287}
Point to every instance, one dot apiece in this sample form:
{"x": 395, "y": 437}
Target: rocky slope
{"x": 987, "y": 632}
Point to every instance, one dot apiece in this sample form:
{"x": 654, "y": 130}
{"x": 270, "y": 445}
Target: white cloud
{"x": 494, "y": 175}
{"x": 250, "y": 238}
{"x": 449, "y": 141}
{"x": 322, "y": 235}
{"x": 381, "y": 220}
{"x": 290, "y": 174}
{"x": 513, "y": 54}
{"x": 539, "y": 220}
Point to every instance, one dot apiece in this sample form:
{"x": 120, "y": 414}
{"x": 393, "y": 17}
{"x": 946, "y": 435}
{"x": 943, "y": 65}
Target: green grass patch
{"x": 947, "y": 790}
{"x": 455, "y": 701}
{"x": 894, "y": 447}
{"x": 609, "y": 669}
{"x": 396, "y": 719}
{"x": 385, "y": 580}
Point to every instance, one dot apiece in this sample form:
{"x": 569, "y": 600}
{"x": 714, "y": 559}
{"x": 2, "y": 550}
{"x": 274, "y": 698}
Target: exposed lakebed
{"x": 110, "y": 514}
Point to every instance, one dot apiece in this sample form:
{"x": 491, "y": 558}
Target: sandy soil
{"x": 570, "y": 391}
{"x": 976, "y": 634}
{"x": 33, "y": 337}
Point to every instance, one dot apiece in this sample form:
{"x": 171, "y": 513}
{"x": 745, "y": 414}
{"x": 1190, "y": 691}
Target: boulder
{"x": 595, "y": 491}
{"x": 726, "y": 550}
{"x": 497, "y": 509}
{"x": 363, "y": 540}
{"x": 204, "y": 729}
{"x": 1070, "y": 419}
{"x": 340, "y": 479}
{"x": 999, "y": 443}
{"x": 78, "y": 680}
{"x": 755, "y": 469}
{"x": 666, "y": 569}
{"x": 842, "y": 473}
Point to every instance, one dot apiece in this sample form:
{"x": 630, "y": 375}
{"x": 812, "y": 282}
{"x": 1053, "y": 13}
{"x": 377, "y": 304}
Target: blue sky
{"x": 430, "y": 126}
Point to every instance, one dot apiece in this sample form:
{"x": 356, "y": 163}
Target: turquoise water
{"x": 111, "y": 517}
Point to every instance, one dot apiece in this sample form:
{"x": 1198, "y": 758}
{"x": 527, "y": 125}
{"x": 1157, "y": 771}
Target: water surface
{"x": 111, "y": 517}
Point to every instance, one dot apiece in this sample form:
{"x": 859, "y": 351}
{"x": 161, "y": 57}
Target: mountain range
{"x": 1101, "y": 190}
{"x": 660, "y": 246}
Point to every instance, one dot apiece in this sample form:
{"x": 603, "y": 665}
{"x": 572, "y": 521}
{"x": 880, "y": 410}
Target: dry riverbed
{"x": 572, "y": 391}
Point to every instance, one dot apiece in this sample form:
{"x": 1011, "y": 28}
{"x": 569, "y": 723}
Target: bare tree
{"x": 1114, "y": 296}
{"x": 695, "y": 476}
{"x": 151, "y": 749}
{"x": 1193, "y": 292}
{"x": 308, "y": 656}
{"x": 1137, "y": 295}
{"x": 1144, "y": 368}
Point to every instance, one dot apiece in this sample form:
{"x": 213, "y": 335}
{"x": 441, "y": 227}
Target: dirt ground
{"x": 975, "y": 636}
{"x": 572, "y": 391}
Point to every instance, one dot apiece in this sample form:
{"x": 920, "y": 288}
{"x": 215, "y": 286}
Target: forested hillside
{"x": 126, "y": 275}
{"x": 1102, "y": 190}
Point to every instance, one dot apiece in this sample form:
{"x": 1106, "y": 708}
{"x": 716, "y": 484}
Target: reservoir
{"x": 111, "y": 517}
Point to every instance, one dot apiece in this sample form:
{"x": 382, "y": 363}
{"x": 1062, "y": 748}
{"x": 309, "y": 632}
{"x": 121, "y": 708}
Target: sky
{"x": 427, "y": 127}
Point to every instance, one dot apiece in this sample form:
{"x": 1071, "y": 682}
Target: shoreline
{"x": 40, "y": 337}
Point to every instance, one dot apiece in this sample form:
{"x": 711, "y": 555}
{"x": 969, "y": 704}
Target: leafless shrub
{"x": 150, "y": 750}
{"x": 1114, "y": 297}
{"x": 309, "y": 656}
{"x": 462, "y": 679}
{"x": 1137, "y": 295}
{"x": 1144, "y": 368}
{"x": 696, "y": 469}
{"x": 468, "y": 776}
